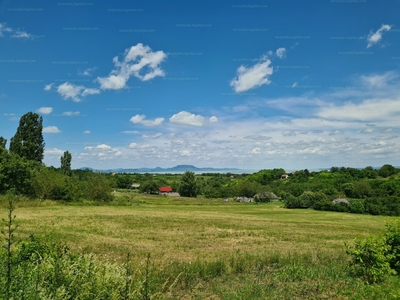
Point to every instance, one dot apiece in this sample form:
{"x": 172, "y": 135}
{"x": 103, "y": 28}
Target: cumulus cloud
{"x": 139, "y": 61}
{"x": 86, "y": 132}
{"x": 186, "y": 118}
{"x": 251, "y": 77}
{"x": 51, "y": 129}
{"x": 44, "y": 110}
{"x": 103, "y": 147}
{"x": 281, "y": 52}
{"x": 213, "y": 119}
{"x": 68, "y": 90}
{"x": 141, "y": 119}
{"x": 375, "y": 37}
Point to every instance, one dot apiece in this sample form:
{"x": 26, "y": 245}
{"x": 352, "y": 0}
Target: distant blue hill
{"x": 178, "y": 168}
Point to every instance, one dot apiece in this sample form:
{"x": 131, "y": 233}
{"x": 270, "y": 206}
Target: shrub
{"x": 293, "y": 202}
{"x": 356, "y": 206}
{"x": 370, "y": 259}
{"x": 392, "y": 239}
{"x": 264, "y": 197}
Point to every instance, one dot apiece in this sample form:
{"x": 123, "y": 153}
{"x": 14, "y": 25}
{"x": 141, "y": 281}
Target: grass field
{"x": 305, "y": 246}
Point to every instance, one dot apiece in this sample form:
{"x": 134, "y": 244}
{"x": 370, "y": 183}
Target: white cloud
{"x": 51, "y": 129}
{"x": 4, "y": 28}
{"x": 86, "y": 132}
{"x": 54, "y": 151}
{"x": 19, "y": 34}
{"x": 137, "y": 60}
{"x": 90, "y": 92}
{"x": 378, "y": 81}
{"x": 256, "y": 151}
{"x": 213, "y": 119}
{"x": 133, "y": 145}
{"x": 71, "y": 113}
{"x": 294, "y": 85}
{"x": 375, "y": 37}
{"x": 44, "y": 110}
{"x": 367, "y": 110}
{"x": 186, "y": 118}
{"x": 103, "y": 147}
{"x": 281, "y": 52}
{"x": 68, "y": 90}
{"x": 141, "y": 119}
{"x": 155, "y": 136}
{"x": 87, "y": 72}
{"x": 22, "y": 35}
{"x": 47, "y": 87}
{"x": 185, "y": 153}
{"x": 252, "y": 77}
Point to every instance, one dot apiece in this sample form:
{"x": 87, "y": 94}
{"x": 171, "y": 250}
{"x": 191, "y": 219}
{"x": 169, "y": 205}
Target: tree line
{"x": 368, "y": 190}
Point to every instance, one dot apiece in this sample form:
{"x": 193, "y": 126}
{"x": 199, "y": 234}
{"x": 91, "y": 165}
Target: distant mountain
{"x": 178, "y": 168}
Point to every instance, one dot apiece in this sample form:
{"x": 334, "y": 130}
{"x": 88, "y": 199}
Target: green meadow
{"x": 210, "y": 249}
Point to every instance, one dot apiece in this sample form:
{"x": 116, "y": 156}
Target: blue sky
{"x": 129, "y": 84}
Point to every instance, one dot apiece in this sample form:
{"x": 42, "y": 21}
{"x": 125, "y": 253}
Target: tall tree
{"x": 3, "y": 142}
{"x": 28, "y": 141}
{"x": 188, "y": 186}
{"x": 66, "y": 163}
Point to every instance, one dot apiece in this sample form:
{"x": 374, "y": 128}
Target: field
{"x": 262, "y": 250}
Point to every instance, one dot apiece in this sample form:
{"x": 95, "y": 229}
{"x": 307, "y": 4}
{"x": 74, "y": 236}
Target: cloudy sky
{"x": 289, "y": 84}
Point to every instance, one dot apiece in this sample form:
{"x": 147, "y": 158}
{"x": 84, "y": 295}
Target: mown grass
{"x": 210, "y": 249}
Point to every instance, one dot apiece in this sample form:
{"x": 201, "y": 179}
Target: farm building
{"x": 165, "y": 189}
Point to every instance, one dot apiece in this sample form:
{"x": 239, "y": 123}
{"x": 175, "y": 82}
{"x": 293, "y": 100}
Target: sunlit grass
{"x": 188, "y": 229}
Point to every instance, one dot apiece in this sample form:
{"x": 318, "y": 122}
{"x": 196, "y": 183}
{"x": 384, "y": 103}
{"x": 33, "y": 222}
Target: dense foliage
{"x": 28, "y": 141}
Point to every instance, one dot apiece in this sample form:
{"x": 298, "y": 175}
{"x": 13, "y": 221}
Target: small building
{"x": 284, "y": 176}
{"x": 165, "y": 190}
{"x": 134, "y": 186}
{"x": 342, "y": 201}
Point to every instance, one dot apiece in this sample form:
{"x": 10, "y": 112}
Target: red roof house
{"x": 165, "y": 189}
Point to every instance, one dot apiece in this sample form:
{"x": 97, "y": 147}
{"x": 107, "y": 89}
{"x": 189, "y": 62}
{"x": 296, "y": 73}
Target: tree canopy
{"x": 188, "y": 186}
{"x": 28, "y": 141}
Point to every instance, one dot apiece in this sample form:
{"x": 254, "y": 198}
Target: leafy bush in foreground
{"x": 376, "y": 257}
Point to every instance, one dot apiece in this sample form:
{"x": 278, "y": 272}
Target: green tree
{"x": 188, "y": 186}
{"x": 15, "y": 172}
{"x": 386, "y": 171}
{"x": 28, "y": 141}
{"x": 149, "y": 187}
{"x": 3, "y": 142}
{"x": 66, "y": 163}
{"x": 362, "y": 189}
